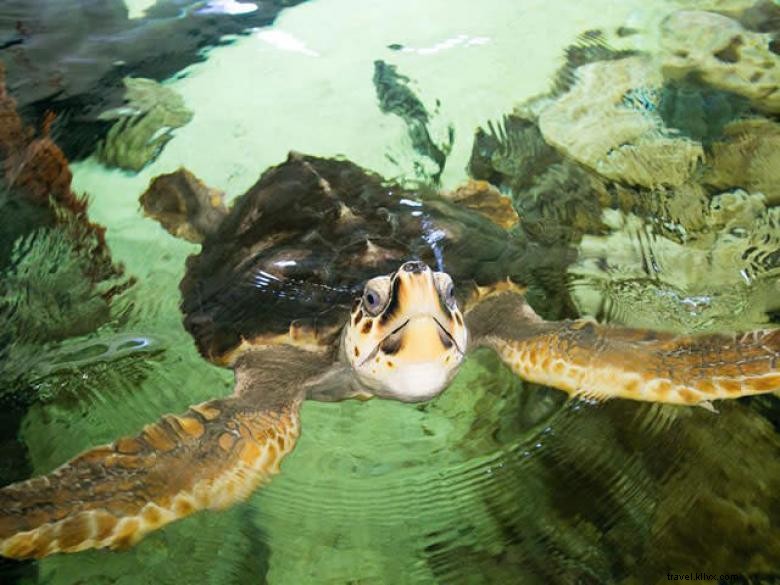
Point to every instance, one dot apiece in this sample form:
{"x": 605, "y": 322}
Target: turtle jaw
{"x": 413, "y": 363}
{"x": 420, "y": 336}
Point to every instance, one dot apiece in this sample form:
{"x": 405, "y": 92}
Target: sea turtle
{"x": 324, "y": 282}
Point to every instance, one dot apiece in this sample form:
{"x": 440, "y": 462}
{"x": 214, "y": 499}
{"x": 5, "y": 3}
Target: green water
{"x": 495, "y": 481}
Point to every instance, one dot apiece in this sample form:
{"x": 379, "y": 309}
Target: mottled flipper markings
{"x": 212, "y": 456}
{"x": 597, "y": 361}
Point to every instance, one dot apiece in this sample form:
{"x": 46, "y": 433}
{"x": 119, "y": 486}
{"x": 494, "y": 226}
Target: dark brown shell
{"x": 298, "y": 246}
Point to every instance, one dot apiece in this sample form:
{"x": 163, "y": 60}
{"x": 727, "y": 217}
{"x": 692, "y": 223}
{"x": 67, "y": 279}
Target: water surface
{"x": 495, "y": 481}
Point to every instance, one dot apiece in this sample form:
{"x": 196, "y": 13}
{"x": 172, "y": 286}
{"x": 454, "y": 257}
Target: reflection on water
{"x": 649, "y": 186}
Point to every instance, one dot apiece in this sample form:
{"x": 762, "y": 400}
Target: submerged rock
{"x": 602, "y": 124}
{"x": 748, "y": 157}
{"x": 70, "y": 56}
{"x": 721, "y": 53}
{"x": 511, "y": 152}
{"x": 144, "y": 124}
{"x": 697, "y": 111}
{"x": 590, "y": 47}
{"x": 726, "y": 275}
{"x": 762, "y": 16}
{"x": 666, "y": 233}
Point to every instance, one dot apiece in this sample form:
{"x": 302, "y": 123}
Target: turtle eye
{"x": 375, "y": 295}
{"x": 449, "y": 294}
{"x": 372, "y": 300}
{"x": 446, "y": 288}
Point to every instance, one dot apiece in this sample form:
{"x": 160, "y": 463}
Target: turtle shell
{"x": 299, "y": 245}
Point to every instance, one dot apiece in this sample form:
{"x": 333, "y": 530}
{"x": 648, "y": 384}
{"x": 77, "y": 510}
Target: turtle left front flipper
{"x": 212, "y": 456}
{"x": 597, "y": 361}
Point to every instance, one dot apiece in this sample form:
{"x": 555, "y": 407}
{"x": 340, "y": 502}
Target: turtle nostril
{"x": 415, "y": 267}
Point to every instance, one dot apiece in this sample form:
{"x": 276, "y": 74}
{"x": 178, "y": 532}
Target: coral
{"x": 12, "y": 131}
{"x": 748, "y": 157}
{"x": 596, "y": 125}
{"x": 144, "y": 124}
{"x": 143, "y": 96}
{"x": 56, "y": 274}
{"x": 721, "y": 53}
{"x": 33, "y": 166}
{"x": 184, "y": 206}
{"x": 45, "y": 293}
{"x": 41, "y": 170}
{"x": 35, "y": 169}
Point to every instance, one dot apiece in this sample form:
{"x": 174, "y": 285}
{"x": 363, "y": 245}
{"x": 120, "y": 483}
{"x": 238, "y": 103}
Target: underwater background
{"x": 639, "y": 145}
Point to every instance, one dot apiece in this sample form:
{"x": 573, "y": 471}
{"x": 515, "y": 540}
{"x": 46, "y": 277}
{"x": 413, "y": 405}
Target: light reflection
{"x": 284, "y": 41}
{"x": 293, "y": 289}
{"x": 262, "y": 279}
{"x": 227, "y": 7}
{"x": 694, "y": 304}
{"x": 433, "y": 236}
{"x": 451, "y": 43}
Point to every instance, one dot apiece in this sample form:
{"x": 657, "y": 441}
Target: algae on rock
{"x": 144, "y": 124}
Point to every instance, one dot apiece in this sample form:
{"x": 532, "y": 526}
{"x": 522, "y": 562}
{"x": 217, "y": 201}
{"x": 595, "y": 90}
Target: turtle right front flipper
{"x": 212, "y": 456}
{"x": 592, "y": 360}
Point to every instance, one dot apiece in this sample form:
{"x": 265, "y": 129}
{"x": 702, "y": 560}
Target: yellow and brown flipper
{"x": 212, "y": 456}
{"x": 597, "y": 361}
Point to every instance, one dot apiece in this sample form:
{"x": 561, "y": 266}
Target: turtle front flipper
{"x": 212, "y": 456}
{"x": 184, "y": 206}
{"x": 597, "y": 361}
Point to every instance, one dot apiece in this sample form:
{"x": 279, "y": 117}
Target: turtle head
{"x": 406, "y": 336}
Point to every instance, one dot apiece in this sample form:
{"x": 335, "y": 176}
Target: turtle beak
{"x": 416, "y": 291}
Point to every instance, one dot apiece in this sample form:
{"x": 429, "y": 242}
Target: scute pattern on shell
{"x": 298, "y": 246}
